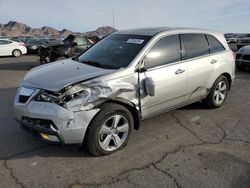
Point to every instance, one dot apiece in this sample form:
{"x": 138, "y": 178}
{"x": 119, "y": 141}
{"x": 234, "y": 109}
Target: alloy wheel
{"x": 220, "y": 92}
{"x": 113, "y": 133}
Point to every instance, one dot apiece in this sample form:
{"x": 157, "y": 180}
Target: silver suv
{"x": 100, "y": 96}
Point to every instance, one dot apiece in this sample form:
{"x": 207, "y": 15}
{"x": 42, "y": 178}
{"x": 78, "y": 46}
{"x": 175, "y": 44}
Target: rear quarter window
{"x": 214, "y": 44}
{"x": 2, "y": 42}
{"x": 194, "y": 45}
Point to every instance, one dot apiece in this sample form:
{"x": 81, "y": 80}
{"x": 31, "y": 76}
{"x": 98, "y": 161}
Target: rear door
{"x": 164, "y": 66}
{"x": 6, "y": 47}
{"x": 195, "y": 51}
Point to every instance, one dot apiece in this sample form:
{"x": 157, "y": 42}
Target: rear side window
{"x": 214, "y": 44}
{"x": 2, "y": 42}
{"x": 81, "y": 41}
{"x": 194, "y": 45}
{"x": 164, "y": 51}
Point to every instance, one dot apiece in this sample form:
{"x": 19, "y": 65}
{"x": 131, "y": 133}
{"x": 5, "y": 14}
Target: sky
{"x": 86, "y": 15}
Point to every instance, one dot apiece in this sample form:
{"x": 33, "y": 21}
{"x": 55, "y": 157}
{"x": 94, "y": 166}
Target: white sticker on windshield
{"x": 135, "y": 41}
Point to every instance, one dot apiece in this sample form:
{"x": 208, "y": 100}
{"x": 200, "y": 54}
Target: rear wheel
{"x": 110, "y": 130}
{"x": 16, "y": 53}
{"x": 218, "y": 93}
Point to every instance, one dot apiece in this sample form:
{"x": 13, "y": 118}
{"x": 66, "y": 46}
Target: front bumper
{"x": 58, "y": 124}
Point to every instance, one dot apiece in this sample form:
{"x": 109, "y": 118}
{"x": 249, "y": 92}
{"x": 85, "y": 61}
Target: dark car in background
{"x": 70, "y": 46}
{"x": 34, "y": 43}
{"x": 243, "y": 58}
{"x": 243, "y": 42}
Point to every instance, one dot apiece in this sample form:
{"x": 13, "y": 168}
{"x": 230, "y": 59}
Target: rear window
{"x": 194, "y": 45}
{"x": 81, "y": 41}
{"x": 214, "y": 44}
{"x": 5, "y": 42}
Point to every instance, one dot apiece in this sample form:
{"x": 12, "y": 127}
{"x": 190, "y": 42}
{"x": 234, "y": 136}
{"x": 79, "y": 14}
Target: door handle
{"x": 179, "y": 71}
{"x": 213, "y": 61}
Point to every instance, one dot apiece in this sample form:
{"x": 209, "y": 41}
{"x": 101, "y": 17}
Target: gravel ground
{"x": 189, "y": 147}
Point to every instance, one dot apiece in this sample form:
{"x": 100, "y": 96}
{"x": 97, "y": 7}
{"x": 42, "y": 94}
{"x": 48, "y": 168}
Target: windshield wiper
{"x": 97, "y": 64}
{"x": 92, "y": 63}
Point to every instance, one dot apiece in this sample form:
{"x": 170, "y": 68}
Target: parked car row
{"x": 12, "y": 48}
{"x": 49, "y": 49}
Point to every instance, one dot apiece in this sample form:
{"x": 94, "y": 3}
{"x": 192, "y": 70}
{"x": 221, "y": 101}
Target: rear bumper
{"x": 23, "y": 50}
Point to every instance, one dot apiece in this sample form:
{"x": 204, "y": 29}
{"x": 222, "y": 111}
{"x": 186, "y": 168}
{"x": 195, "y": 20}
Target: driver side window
{"x": 165, "y": 51}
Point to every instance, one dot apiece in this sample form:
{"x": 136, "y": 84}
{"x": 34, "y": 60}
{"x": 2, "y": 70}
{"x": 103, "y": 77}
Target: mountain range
{"x": 14, "y": 29}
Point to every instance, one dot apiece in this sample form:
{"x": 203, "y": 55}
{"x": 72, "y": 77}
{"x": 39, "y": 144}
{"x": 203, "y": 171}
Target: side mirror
{"x": 149, "y": 86}
{"x": 141, "y": 66}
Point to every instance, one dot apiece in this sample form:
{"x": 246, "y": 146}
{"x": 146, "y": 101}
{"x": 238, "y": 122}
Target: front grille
{"x": 46, "y": 123}
{"x": 23, "y": 99}
{"x": 246, "y": 57}
{"x": 238, "y": 56}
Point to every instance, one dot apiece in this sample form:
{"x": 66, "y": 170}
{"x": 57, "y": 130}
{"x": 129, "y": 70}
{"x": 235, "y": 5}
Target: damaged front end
{"x": 84, "y": 96}
{"x": 64, "y": 116}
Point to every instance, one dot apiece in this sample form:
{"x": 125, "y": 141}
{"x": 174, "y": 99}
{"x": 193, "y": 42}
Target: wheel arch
{"x": 229, "y": 78}
{"x": 131, "y": 107}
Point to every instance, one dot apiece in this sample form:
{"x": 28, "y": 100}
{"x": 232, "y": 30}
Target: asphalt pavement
{"x": 189, "y": 147}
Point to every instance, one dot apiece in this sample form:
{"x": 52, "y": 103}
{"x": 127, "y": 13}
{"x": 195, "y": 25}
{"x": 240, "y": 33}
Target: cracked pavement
{"x": 188, "y": 147}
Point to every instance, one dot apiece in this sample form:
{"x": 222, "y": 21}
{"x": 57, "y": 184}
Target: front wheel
{"x": 110, "y": 129}
{"x": 218, "y": 93}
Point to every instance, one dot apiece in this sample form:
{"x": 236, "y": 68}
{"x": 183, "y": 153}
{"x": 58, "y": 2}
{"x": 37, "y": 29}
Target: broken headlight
{"x": 75, "y": 98}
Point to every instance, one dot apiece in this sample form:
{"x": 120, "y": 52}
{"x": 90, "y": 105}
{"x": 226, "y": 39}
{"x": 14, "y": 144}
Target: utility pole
{"x": 113, "y": 16}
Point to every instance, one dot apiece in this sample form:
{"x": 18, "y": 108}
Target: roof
{"x": 151, "y": 31}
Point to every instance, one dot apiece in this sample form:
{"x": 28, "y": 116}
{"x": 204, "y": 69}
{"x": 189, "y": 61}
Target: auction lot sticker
{"x": 135, "y": 41}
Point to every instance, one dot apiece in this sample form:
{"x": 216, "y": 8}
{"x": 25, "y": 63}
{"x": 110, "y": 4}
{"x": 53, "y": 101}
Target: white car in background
{"x": 12, "y": 48}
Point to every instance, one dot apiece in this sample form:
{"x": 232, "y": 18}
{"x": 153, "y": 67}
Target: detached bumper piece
{"x": 42, "y": 128}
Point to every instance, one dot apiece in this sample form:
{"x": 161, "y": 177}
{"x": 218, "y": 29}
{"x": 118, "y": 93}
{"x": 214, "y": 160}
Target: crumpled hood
{"x": 55, "y": 76}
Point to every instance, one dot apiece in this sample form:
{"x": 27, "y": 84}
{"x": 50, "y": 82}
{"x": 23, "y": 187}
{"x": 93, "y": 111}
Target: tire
{"x": 44, "y": 60}
{"x": 102, "y": 134}
{"x": 16, "y": 53}
{"x": 218, "y": 93}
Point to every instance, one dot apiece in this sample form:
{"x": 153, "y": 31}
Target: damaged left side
{"x": 85, "y": 96}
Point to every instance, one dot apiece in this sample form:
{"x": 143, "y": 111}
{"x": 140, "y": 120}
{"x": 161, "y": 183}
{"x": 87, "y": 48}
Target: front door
{"x": 169, "y": 74}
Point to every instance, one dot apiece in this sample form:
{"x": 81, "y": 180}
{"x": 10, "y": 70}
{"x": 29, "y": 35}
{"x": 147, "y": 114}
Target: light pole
{"x": 113, "y": 17}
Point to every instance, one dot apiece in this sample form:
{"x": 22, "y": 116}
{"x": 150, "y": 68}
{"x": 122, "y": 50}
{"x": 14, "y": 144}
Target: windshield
{"x": 115, "y": 51}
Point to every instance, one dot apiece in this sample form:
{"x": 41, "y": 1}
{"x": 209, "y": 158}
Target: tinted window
{"x": 81, "y": 41}
{"x": 2, "y": 42}
{"x": 194, "y": 45}
{"x": 214, "y": 44}
{"x": 114, "y": 51}
{"x": 166, "y": 50}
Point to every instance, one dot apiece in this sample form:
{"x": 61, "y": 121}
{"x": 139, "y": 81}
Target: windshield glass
{"x": 115, "y": 51}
